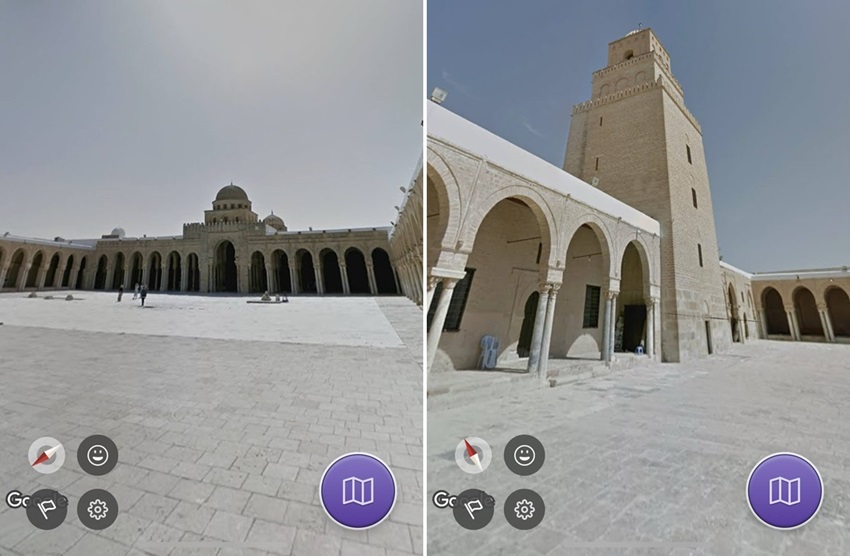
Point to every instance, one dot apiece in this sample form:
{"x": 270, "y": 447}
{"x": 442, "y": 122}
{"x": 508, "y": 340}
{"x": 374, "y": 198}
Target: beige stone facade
{"x": 521, "y": 251}
{"x": 406, "y": 239}
{"x": 804, "y": 305}
{"x": 231, "y": 251}
{"x": 639, "y": 143}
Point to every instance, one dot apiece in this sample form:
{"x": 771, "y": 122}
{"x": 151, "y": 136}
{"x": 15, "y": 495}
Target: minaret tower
{"x": 638, "y": 138}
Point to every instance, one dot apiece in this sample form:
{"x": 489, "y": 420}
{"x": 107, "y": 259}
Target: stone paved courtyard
{"x": 656, "y": 454}
{"x": 225, "y": 415}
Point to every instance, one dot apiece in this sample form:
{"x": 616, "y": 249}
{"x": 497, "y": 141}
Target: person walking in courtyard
{"x": 143, "y": 293}
{"x": 120, "y": 292}
{"x": 136, "y": 292}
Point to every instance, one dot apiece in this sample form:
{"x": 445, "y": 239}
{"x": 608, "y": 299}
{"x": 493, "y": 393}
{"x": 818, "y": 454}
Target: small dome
{"x": 231, "y": 193}
{"x": 274, "y": 221}
{"x": 118, "y": 232}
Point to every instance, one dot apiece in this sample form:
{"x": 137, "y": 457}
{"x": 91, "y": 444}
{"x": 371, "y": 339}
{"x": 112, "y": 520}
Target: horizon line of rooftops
{"x": 89, "y": 242}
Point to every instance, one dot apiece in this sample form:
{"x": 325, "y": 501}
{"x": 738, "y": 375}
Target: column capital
{"x": 433, "y": 281}
{"x": 654, "y": 300}
{"x": 611, "y": 294}
{"x": 555, "y": 288}
{"x": 822, "y": 307}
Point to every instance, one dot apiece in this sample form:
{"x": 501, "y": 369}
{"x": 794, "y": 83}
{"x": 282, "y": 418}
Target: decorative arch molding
{"x": 607, "y": 241}
{"x": 440, "y": 173}
{"x": 539, "y": 206}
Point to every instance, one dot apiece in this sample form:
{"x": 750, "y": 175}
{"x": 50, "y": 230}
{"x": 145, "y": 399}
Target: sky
{"x": 767, "y": 80}
{"x": 134, "y": 114}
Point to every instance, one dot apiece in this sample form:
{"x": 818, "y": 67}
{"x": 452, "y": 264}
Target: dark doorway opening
{"x": 634, "y": 322}
{"x": 358, "y": 276}
{"x": 308, "y": 273}
{"x": 226, "y": 268}
{"x": 523, "y": 348}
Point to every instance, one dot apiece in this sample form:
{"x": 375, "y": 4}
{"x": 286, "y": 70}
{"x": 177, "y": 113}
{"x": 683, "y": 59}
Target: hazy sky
{"x": 768, "y": 81}
{"x": 135, "y": 114}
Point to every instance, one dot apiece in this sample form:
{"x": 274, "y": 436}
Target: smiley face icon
{"x": 524, "y": 455}
{"x": 97, "y": 455}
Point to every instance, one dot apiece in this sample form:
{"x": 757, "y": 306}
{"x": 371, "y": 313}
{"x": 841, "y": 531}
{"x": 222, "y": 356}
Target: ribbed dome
{"x": 118, "y": 232}
{"x": 274, "y": 221}
{"x": 231, "y": 193}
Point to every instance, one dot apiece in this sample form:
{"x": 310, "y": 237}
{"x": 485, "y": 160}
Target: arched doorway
{"x": 774, "y": 313}
{"x": 137, "y": 273}
{"x": 35, "y": 268}
{"x": 284, "y": 279}
{"x": 193, "y": 280}
{"x": 578, "y": 328}
{"x": 224, "y": 268}
{"x": 258, "y": 282}
{"x": 118, "y": 271}
{"x": 523, "y": 346}
{"x": 630, "y": 322}
{"x": 838, "y": 306}
{"x": 331, "y": 272}
{"x": 509, "y": 249}
{"x": 383, "y": 269}
{"x": 306, "y": 272}
{"x": 808, "y": 317}
{"x": 100, "y": 274}
{"x": 52, "y": 269}
{"x": 66, "y": 277}
{"x": 155, "y": 271}
{"x": 733, "y": 313}
{"x": 14, "y": 273}
{"x": 355, "y": 268}
{"x": 175, "y": 272}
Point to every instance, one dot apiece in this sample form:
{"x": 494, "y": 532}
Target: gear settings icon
{"x": 524, "y": 509}
{"x": 98, "y": 509}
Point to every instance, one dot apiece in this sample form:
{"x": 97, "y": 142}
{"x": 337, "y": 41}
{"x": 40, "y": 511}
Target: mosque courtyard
{"x": 654, "y": 459}
{"x": 225, "y": 415}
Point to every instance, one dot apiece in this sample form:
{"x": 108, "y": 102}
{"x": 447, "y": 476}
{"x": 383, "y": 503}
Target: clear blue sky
{"x": 134, "y": 114}
{"x": 768, "y": 81}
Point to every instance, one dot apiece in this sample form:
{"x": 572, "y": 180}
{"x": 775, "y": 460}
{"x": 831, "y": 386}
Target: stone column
{"x": 343, "y": 273}
{"x": 205, "y": 270}
{"x": 432, "y": 287}
{"x": 792, "y": 323}
{"x": 823, "y": 311}
{"x": 320, "y": 282}
{"x": 3, "y": 271}
{"x": 145, "y": 272}
{"x": 606, "y": 328}
{"x": 23, "y": 276}
{"x": 72, "y": 278}
{"x": 763, "y": 323}
{"x": 650, "y": 328}
{"x": 40, "y": 278}
{"x": 612, "y": 334}
{"x": 184, "y": 277}
{"x": 547, "y": 333}
{"x": 373, "y": 286}
{"x": 110, "y": 277}
{"x": 537, "y": 333}
{"x": 269, "y": 283}
{"x": 163, "y": 278}
{"x": 397, "y": 281}
{"x": 293, "y": 279}
{"x": 439, "y": 320}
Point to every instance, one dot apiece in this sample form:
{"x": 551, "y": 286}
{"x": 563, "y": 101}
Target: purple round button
{"x": 357, "y": 490}
{"x": 784, "y": 491}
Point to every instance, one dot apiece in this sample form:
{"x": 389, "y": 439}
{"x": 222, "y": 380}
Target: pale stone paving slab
{"x": 656, "y": 453}
{"x": 205, "y": 422}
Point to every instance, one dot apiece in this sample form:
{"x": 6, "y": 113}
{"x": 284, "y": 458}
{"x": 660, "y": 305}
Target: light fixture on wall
{"x": 438, "y": 96}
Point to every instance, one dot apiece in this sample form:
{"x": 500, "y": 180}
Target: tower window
{"x": 699, "y": 252}
{"x": 689, "y": 154}
{"x": 539, "y": 252}
{"x": 694, "y": 196}
{"x": 628, "y": 55}
{"x": 600, "y": 121}
{"x": 597, "y": 163}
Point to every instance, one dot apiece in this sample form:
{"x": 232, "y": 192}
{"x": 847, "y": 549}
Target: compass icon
{"x": 46, "y": 455}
